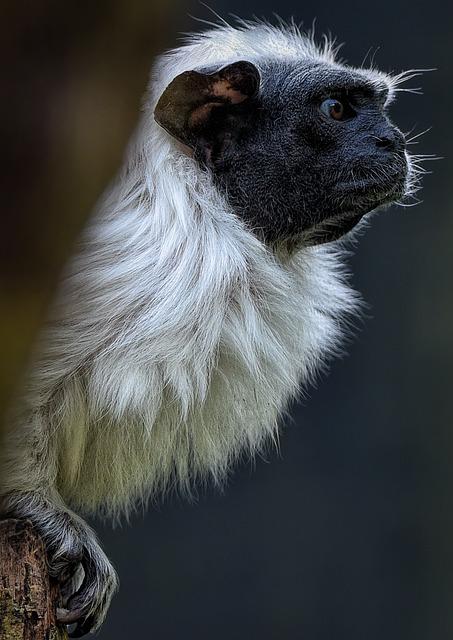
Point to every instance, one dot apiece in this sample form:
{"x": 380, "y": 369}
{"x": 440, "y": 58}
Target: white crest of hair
{"x": 177, "y": 338}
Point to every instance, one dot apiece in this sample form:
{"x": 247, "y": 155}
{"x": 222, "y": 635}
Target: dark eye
{"x": 334, "y": 108}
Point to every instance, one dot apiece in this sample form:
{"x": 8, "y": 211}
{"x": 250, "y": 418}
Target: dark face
{"x": 302, "y": 157}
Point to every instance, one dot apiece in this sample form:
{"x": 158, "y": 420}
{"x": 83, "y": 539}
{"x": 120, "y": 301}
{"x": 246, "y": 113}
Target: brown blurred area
{"x": 73, "y": 75}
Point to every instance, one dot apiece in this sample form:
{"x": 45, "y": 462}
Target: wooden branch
{"x": 28, "y": 598}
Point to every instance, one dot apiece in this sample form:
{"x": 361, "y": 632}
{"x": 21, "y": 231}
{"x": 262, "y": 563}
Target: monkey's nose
{"x": 385, "y": 143}
{"x": 392, "y": 140}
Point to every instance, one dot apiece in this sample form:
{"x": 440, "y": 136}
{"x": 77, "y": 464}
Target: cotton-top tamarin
{"x": 206, "y": 289}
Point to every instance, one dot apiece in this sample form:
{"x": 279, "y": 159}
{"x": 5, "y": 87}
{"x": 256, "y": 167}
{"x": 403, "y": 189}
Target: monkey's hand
{"x": 87, "y": 579}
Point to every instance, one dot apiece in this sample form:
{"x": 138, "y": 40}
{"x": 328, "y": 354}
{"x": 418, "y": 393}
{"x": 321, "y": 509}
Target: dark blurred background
{"x": 347, "y": 532}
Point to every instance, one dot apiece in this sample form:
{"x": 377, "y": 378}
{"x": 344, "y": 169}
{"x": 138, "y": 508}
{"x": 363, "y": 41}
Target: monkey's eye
{"x": 336, "y": 109}
{"x": 333, "y": 108}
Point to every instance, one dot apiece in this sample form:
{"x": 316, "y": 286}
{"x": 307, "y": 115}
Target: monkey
{"x": 208, "y": 287}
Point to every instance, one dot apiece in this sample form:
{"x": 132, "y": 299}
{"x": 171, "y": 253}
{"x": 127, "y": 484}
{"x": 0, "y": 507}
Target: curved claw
{"x": 81, "y": 628}
{"x": 64, "y": 616}
{"x": 87, "y": 605}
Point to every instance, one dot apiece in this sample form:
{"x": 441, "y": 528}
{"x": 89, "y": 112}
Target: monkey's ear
{"x": 188, "y": 107}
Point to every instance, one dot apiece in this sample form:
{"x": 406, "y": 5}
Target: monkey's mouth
{"x": 352, "y": 201}
{"x": 331, "y": 229}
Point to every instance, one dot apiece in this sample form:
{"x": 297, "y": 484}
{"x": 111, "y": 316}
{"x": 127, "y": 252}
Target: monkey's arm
{"x": 29, "y": 492}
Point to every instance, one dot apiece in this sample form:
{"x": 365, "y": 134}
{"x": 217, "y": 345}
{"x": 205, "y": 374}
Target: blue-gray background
{"x": 347, "y": 532}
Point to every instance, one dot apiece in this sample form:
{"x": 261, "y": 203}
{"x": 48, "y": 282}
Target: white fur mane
{"x": 178, "y": 338}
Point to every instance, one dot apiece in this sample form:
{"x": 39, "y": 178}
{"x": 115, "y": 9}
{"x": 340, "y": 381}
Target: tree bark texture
{"x": 28, "y": 598}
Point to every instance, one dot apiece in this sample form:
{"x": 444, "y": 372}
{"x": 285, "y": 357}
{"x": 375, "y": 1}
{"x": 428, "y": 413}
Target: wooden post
{"x": 28, "y": 598}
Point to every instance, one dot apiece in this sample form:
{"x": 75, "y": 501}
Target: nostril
{"x": 385, "y": 143}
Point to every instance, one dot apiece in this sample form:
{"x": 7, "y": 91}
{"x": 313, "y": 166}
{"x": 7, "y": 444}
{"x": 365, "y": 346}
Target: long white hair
{"x": 178, "y": 338}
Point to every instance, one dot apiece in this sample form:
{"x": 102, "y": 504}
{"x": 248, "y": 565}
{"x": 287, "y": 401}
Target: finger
{"x": 65, "y": 616}
{"x": 82, "y": 628}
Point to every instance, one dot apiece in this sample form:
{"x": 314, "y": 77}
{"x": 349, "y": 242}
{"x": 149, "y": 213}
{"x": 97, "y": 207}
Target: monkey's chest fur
{"x": 163, "y": 402}
{"x": 177, "y": 340}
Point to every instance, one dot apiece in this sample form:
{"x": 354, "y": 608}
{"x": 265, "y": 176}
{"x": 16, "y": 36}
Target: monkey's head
{"x": 302, "y": 148}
